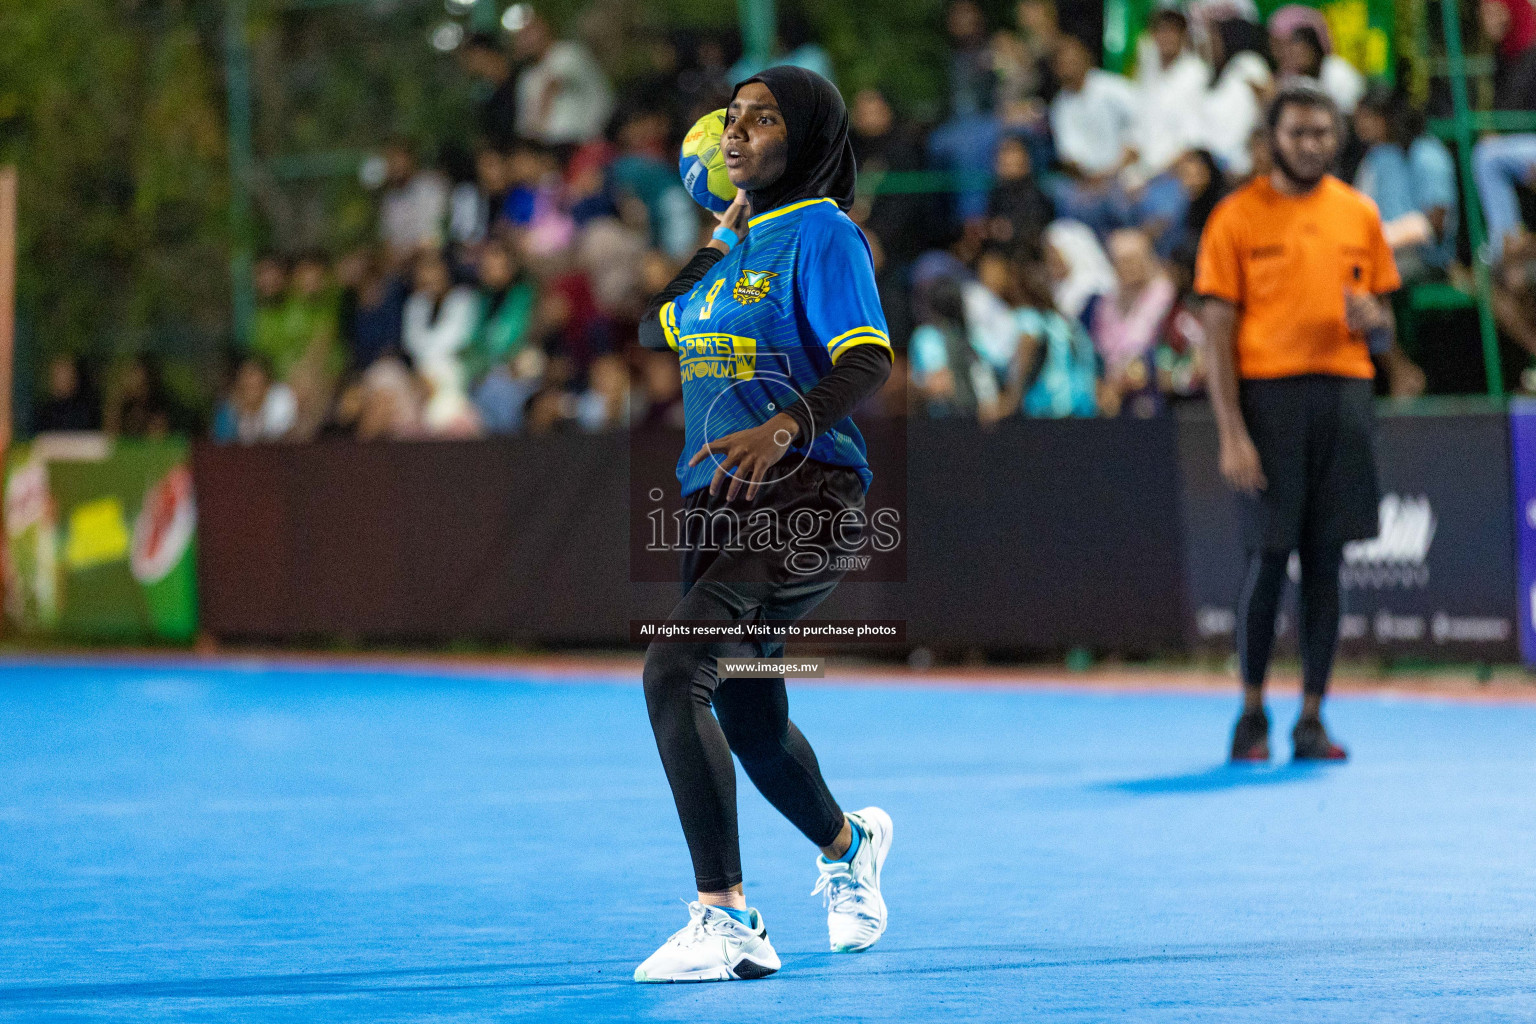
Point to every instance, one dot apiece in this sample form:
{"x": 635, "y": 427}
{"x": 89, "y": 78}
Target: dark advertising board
{"x": 1438, "y": 580}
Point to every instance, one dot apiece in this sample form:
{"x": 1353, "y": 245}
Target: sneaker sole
{"x": 882, "y": 849}
{"x": 746, "y": 970}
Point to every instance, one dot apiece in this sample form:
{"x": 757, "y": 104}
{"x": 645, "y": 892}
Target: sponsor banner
{"x": 1361, "y": 31}
{"x": 1436, "y": 581}
{"x": 1522, "y": 448}
{"x": 100, "y": 539}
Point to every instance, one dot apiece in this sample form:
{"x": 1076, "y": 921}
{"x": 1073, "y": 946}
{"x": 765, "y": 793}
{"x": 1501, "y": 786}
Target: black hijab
{"x": 820, "y": 159}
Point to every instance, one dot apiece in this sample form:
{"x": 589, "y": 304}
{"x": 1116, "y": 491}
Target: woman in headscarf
{"x": 779, "y": 332}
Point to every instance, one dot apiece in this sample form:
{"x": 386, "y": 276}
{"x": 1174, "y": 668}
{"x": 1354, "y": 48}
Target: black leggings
{"x": 751, "y": 717}
{"x": 1259, "y": 604}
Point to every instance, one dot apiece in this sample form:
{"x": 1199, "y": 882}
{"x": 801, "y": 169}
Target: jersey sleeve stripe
{"x": 855, "y": 342}
{"x": 857, "y": 335}
{"x": 669, "y": 324}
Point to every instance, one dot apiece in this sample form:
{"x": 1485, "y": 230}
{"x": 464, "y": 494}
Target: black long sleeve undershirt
{"x": 859, "y": 373}
{"x": 651, "y": 333}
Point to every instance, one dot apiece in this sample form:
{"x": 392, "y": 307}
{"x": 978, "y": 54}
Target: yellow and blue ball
{"x": 702, "y": 164}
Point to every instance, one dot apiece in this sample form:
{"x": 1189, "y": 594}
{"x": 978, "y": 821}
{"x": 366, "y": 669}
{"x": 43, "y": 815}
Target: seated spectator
{"x": 604, "y": 405}
{"x": 269, "y": 281}
{"x": 1509, "y": 26}
{"x": 899, "y": 226}
{"x": 1303, "y": 46}
{"x": 563, "y": 96}
{"x": 372, "y": 307}
{"x": 440, "y": 322}
{"x": 1055, "y": 373}
{"x": 1181, "y": 358}
{"x": 1171, "y": 81}
{"x": 72, "y": 401}
{"x": 534, "y": 200}
{"x": 948, "y": 374}
{"x": 1501, "y": 164}
{"x": 142, "y": 406}
{"x": 414, "y": 207}
{"x": 505, "y": 317}
{"x": 645, "y": 172}
{"x": 303, "y": 321}
{"x": 1128, "y": 324}
{"x": 1017, "y": 210}
{"x": 970, "y": 58}
{"x": 385, "y": 404}
{"x": 1233, "y": 108}
{"x": 661, "y": 391}
{"x": 256, "y": 408}
{"x": 1206, "y": 187}
{"x": 612, "y": 256}
{"x": 965, "y": 142}
{"x": 474, "y": 205}
{"x": 502, "y": 397}
{"x": 1079, "y": 270}
{"x": 1022, "y": 59}
{"x": 586, "y": 195}
{"x": 483, "y": 57}
{"x": 1411, "y": 177}
{"x": 1093, "y": 120}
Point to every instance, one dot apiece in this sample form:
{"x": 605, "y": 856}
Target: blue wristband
{"x": 726, "y": 235}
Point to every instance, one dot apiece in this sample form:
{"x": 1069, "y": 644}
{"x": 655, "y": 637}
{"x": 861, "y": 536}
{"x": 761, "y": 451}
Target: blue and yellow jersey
{"x": 766, "y": 323}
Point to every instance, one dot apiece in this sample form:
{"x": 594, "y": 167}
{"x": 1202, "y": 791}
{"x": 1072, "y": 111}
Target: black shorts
{"x": 1315, "y": 436}
{"x": 778, "y": 566}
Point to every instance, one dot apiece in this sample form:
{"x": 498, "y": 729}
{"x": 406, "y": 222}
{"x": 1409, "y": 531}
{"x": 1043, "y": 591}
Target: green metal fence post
{"x": 1477, "y": 234}
{"x": 237, "y": 79}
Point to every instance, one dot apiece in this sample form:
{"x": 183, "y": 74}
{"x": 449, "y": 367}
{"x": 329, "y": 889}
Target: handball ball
{"x": 702, "y": 164}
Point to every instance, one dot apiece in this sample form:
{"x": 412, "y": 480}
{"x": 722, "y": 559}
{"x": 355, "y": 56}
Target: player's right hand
{"x": 737, "y": 214}
{"x": 1240, "y": 467}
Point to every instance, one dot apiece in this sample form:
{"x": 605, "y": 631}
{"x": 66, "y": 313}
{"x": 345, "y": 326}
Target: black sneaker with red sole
{"x": 1250, "y": 738}
{"x": 1311, "y": 742}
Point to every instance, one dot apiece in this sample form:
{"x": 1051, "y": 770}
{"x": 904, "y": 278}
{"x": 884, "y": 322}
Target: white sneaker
{"x": 855, "y": 909}
{"x": 713, "y": 946}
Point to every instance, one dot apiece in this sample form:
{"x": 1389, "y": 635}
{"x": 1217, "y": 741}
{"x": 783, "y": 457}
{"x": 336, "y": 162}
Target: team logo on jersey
{"x": 752, "y": 286}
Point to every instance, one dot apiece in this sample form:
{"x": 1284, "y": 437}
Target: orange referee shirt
{"x": 1285, "y": 262}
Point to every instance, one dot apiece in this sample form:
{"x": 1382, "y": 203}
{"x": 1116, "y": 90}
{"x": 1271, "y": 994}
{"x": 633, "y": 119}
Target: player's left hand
{"x": 747, "y": 455}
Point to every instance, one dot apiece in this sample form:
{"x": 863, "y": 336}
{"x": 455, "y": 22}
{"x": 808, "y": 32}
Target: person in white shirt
{"x": 1171, "y": 80}
{"x": 440, "y": 319}
{"x": 1095, "y": 122}
{"x": 414, "y": 204}
{"x": 563, "y": 96}
{"x": 1234, "y": 105}
{"x": 1093, "y": 117}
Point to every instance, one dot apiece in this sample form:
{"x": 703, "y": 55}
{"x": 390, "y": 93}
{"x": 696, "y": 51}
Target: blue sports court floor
{"x": 249, "y": 843}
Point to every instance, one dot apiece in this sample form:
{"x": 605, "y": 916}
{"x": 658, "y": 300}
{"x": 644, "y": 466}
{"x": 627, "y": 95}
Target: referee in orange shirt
{"x": 1293, "y": 267}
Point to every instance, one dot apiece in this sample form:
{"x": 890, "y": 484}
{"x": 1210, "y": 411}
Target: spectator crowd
{"x": 1053, "y": 279}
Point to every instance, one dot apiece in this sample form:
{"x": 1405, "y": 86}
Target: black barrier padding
{"x": 1035, "y": 535}
{"x": 1045, "y": 534}
{"x": 519, "y": 540}
{"x": 1439, "y": 583}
